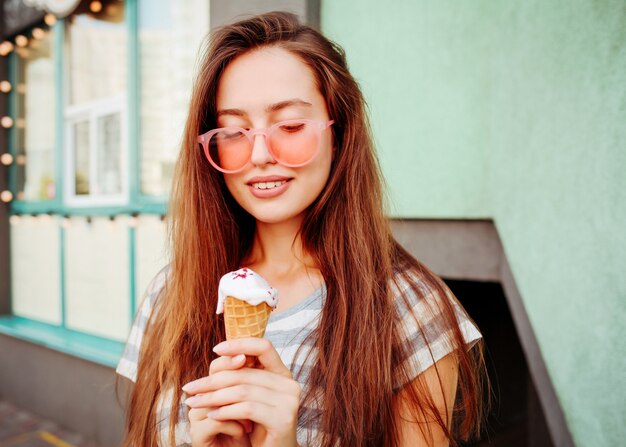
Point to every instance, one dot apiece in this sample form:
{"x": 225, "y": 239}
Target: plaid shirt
{"x": 288, "y": 332}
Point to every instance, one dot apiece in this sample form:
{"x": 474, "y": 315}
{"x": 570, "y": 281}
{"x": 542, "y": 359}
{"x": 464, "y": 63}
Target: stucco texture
{"x": 515, "y": 111}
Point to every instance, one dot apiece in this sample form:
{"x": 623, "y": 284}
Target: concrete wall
{"x": 74, "y": 393}
{"x": 515, "y": 111}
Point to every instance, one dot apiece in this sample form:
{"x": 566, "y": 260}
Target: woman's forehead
{"x": 260, "y": 78}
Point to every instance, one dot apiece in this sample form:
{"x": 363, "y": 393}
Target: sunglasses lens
{"x": 295, "y": 143}
{"x": 230, "y": 150}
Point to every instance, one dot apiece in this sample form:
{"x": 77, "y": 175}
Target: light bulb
{"x": 38, "y": 33}
{"x": 21, "y": 41}
{"x": 6, "y": 196}
{"x": 95, "y": 6}
{"x": 5, "y": 48}
{"x": 6, "y": 122}
{"x": 50, "y": 19}
{"x": 6, "y": 159}
{"x": 5, "y": 86}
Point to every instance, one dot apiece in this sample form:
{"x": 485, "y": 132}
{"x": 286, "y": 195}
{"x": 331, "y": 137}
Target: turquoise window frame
{"x": 97, "y": 349}
{"x": 138, "y": 203}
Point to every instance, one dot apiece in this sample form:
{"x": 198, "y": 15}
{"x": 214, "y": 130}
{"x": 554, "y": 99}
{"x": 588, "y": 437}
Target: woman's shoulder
{"x": 127, "y": 365}
{"x": 427, "y": 312}
{"x": 155, "y": 286}
{"x": 412, "y": 286}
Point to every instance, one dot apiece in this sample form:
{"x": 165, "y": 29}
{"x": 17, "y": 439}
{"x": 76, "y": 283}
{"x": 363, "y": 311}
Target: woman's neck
{"x": 278, "y": 256}
{"x": 278, "y": 247}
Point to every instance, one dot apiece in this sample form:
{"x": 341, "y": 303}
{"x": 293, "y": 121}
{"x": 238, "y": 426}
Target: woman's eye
{"x": 230, "y": 135}
{"x": 295, "y": 127}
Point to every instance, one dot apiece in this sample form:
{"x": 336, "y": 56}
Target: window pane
{"x": 81, "y": 157}
{"x": 97, "y": 54}
{"x": 170, "y": 33}
{"x": 109, "y": 148}
{"x": 35, "y": 130}
{"x": 97, "y": 48}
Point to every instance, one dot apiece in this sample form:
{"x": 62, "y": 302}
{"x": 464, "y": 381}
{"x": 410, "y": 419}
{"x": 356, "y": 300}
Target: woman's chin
{"x": 276, "y": 217}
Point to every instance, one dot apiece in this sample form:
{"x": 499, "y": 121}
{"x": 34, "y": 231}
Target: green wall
{"x": 515, "y": 111}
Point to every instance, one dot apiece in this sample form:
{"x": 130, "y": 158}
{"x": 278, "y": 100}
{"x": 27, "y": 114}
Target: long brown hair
{"x": 358, "y": 354}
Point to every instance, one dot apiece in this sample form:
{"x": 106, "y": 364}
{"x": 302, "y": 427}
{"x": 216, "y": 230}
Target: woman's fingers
{"x": 244, "y": 376}
{"x": 256, "y": 347}
{"x": 233, "y": 356}
{"x": 270, "y": 417}
{"x": 204, "y": 426}
{"x": 240, "y": 393}
{"x": 224, "y": 363}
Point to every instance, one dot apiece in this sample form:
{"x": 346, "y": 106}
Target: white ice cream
{"x": 248, "y": 286}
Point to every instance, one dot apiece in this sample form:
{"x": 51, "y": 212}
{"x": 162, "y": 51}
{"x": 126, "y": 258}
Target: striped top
{"x": 288, "y": 331}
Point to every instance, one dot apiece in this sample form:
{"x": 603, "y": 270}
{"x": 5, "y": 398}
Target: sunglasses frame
{"x": 252, "y": 133}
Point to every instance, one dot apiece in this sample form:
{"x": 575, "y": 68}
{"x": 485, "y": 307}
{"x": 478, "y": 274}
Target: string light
{"x": 5, "y": 86}
{"x": 21, "y": 41}
{"x": 45, "y": 218}
{"x": 6, "y": 122}
{"x": 20, "y": 160}
{"x": 50, "y": 19}
{"x": 6, "y": 196}
{"x": 95, "y": 6}
{"x": 65, "y": 222}
{"x": 133, "y": 221}
{"x": 6, "y": 159}
{"x": 38, "y": 33}
{"x": 20, "y": 195}
{"x": 14, "y": 219}
{"x": 5, "y": 48}
{"x": 20, "y": 123}
{"x": 21, "y": 88}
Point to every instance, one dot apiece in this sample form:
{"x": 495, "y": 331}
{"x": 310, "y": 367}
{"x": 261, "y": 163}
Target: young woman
{"x": 277, "y": 173}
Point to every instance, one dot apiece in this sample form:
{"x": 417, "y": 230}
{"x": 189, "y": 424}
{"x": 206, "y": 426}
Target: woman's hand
{"x": 267, "y": 395}
{"x": 206, "y": 431}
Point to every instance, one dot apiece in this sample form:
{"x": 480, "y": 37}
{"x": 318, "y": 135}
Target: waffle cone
{"x": 245, "y": 320}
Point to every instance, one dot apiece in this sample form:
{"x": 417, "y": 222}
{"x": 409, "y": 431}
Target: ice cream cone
{"x": 245, "y": 320}
{"x": 246, "y": 300}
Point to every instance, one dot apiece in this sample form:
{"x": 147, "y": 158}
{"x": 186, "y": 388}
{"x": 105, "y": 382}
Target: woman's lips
{"x": 268, "y": 187}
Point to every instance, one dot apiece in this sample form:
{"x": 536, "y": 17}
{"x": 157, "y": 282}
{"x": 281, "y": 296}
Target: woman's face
{"x": 257, "y": 90}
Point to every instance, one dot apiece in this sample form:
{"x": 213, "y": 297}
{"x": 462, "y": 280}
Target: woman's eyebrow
{"x": 287, "y": 103}
{"x": 235, "y": 112}
{"x": 269, "y": 109}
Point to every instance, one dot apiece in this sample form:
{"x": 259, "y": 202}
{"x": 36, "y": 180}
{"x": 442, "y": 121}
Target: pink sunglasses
{"x": 292, "y": 143}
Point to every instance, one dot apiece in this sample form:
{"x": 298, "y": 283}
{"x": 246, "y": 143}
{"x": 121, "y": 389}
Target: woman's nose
{"x": 260, "y": 151}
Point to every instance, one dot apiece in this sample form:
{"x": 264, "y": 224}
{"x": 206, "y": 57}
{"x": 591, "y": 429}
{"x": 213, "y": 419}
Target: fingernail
{"x": 219, "y": 347}
{"x": 189, "y": 386}
{"x": 191, "y": 401}
{"x": 238, "y": 359}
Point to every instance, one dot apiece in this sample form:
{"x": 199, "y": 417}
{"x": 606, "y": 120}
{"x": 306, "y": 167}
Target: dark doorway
{"x": 516, "y": 418}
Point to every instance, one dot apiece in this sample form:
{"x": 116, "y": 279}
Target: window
{"x": 34, "y": 130}
{"x": 170, "y": 34}
{"x": 95, "y": 116}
